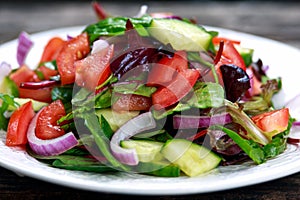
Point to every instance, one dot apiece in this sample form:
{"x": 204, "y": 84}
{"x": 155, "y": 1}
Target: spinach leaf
{"x": 81, "y": 164}
{"x": 251, "y": 148}
{"x": 113, "y": 26}
{"x": 92, "y": 123}
{"x": 7, "y": 101}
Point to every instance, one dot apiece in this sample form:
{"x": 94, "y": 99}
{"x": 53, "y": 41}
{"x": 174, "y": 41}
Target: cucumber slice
{"x": 37, "y": 105}
{"x": 161, "y": 169}
{"x": 147, "y": 150}
{"x": 192, "y": 158}
{"x": 8, "y": 86}
{"x": 180, "y": 35}
{"x": 116, "y": 119}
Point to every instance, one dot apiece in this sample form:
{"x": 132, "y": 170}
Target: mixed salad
{"x": 154, "y": 94}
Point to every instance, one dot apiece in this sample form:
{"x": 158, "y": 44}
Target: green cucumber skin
{"x": 180, "y": 34}
{"x": 159, "y": 169}
{"x": 147, "y": 150}
{"x": 192, "y": 158}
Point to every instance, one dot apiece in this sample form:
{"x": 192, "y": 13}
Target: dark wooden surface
{"x": 279, "y": 21}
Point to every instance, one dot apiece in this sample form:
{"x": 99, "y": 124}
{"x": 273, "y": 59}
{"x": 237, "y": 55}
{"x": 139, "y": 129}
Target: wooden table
{"x": 278, "y": 21}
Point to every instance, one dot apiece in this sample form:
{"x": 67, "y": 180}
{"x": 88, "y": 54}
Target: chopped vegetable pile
{"x": 155, "y": 94}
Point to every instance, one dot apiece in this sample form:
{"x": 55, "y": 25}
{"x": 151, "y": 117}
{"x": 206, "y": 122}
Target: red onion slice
{"x": 5, "y": 69}
{"x": 50, "y": 147}
{"x": 188, "y": 122}
{"x": 134, "y": 126}
{"x": 24, "y": 46}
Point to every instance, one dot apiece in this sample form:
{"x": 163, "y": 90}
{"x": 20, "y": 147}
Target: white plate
{"x": 281, "y": 59}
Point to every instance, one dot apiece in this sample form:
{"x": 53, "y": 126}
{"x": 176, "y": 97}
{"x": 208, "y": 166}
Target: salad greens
{"x": 149, "y": 74}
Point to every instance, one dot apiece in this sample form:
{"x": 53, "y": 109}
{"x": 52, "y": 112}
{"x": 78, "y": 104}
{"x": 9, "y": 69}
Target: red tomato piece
{"x": 18, "y": 125}
{"x": 94, "y": 69}
{"x": 46, "y": 125}
{"x": 47, "y": 73}
{"x": 217, "y": 40}
{"x": 176, "y": 90}
{"x": 132, "y": 102}
{"x": 73, "y": 50}
{"x": 24, "y": 74}
{"x": 231, "y": 56}
{"x": 52, "y": 49}
{"x": 276, "y": 120}
{"x": 166, "y": 69}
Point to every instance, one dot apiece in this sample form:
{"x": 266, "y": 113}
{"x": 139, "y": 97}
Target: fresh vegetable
{"x": 46, "y": 124}
{"x": 192, "y": 158}
{"x": 73, "y": 50}
{"x": 18, "y": 125}
{"x": 168, "y": 31}
{"x": 146, "y": 150}
{"x": 52, "y": 49}
{"x": 49, "y": 147}
{"x": 180, "y": 86}
{"x": 94, "y": 69}
{"x": 186, "y": 122}
{"x": 24, "y": 45}
{"x": 273, "y": 122}
{"x": 136, "y": 125}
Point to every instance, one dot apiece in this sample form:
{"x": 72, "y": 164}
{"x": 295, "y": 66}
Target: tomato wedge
{"x": 94, "y": 69}
{"x": 218, "y": 39}
{"x": 176, "y": 90}
{"x": 231, "y": 56}
{"x": 166, "y": 69}
{"x": 274, "y": 121}
{"x": 46, "y": 126}
{"x": 24, "y": 74}
{"x": 52, "y": 49}
{"x": 73, "y": 50}
{"x": 18, "y": 125}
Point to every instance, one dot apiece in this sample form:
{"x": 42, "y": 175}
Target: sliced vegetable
{"x": 161, "y": 169}
{"x": 52, "y": 49}
{"x": 146, "y": 150}
{"x": 167, "y": 68}
{"x": 73, "y": 50}
{"x": 176, "y": 90}
{"x": 191, "y": 158}
{"x": 231, "y": 56}
{"x": 24, "y": 45}
{"x": 18, "y": 125}
{"x": 49, "y": 147}
{"x": 92, "y": 123}
{"x": 273, "y": 122}
{"x": 134, "y": 126}
{"x": 94, "y": 69}
{"x": 46, "y": 124}
{"x": 181, "y": 35}
{"x": 5, "y": 70}
{"x": 7, "y": 102}
{"x": 187, "y": 122}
